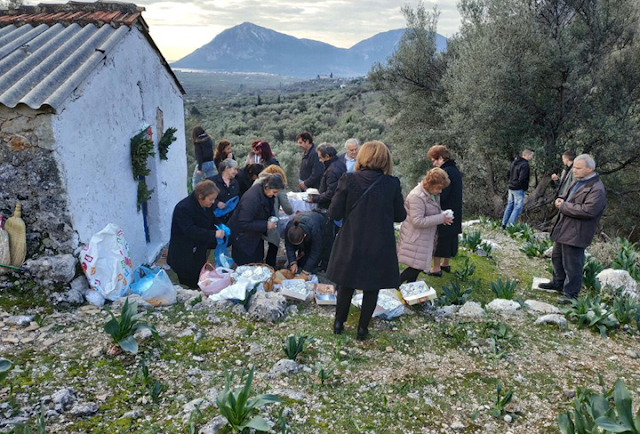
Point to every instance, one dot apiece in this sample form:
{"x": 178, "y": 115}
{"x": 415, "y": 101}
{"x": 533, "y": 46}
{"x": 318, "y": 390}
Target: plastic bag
{"x": 389, "y": 305}
{"x": 237, "y": 291}
{"x": 221, "y": 258}
{"x": 154, "y": 287}
{"x": 231, "y": 205}
{"x": 213, "y": 281}
{"x": 107, "y": 263}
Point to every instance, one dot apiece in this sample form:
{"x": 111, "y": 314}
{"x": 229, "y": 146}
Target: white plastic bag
{"x": 389, "y": 305}
{"x": 107, "y": 263}
{"x": 237, "y": 291}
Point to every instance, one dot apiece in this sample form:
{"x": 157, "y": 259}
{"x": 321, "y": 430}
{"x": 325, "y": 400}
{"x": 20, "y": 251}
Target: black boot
{"x": 338, "y": 327}
{"x": 363, "y": 333}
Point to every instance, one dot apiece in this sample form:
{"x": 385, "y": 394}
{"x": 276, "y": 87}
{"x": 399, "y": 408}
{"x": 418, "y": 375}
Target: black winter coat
{"x": 244, "y": 181}
{"x": 203, "y": 149}
{"x": 364, "y": 253}
{"x": 334, "y": 169}
{"x": 519, "y": 174}
{"x": 313, "y": 224}
{"x": 192, "y": 233}
{"x": 225, "y": 193}
{"x": 249, "y": 222}
{"x": 451, "y": 198}
{"x": 311, "y": 168}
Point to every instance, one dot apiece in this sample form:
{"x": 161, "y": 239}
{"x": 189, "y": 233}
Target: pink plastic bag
{"x": 212, "y": 282}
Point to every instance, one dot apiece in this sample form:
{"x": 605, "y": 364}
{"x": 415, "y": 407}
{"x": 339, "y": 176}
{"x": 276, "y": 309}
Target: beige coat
{"x": 417, "y": 239}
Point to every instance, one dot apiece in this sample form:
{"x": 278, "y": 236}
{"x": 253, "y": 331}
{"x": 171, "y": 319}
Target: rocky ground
{"x": 428, "y": 371}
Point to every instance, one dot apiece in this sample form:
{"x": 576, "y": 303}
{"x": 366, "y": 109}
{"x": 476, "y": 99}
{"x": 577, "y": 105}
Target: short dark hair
{"x": 296, "y": 234}
{"x": 253, "y": 169}
{"x": 570, "y": 155}
{"x": 305, "y": 136}
{"x": 205, "y": 188}
{"x": 273, "y": 182}
{"x": 327, "y": 150}
{"x": 437, "y": 151}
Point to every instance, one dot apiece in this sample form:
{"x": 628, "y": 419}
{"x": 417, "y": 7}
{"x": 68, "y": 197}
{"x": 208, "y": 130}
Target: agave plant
{"x": 592, "y": 267}
{"x": 454, "y": 294}
{"x": 122, "y": 328}
{"x": 295, "y": 345}
{"x": 472, "y": 240}
{"x": 505, "y": 289}
{"x": 238, "y": 408}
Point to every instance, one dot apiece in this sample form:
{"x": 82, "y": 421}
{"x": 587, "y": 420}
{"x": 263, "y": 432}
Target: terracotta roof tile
{"x": 83, "y": 13}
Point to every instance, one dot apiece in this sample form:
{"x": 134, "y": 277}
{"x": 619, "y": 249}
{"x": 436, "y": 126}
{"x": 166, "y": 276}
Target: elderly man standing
{"x": 579, "y": 214}
{"x": 518, "y": 185}
{"x": 310, "y": 167}
{"x": 351, "y": 146}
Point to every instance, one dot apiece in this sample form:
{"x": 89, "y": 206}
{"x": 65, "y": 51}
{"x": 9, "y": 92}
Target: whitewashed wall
{"x": 92, "y": 133}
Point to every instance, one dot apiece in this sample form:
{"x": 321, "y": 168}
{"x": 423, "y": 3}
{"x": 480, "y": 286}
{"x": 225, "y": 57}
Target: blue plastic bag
{"x": 221, "y": 259}
{"x": 142, "y": 281}
{"x": 231, "y": 205}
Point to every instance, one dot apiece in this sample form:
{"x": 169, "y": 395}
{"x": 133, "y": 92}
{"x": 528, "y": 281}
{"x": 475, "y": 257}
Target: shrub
{"x": 123, "y": 328}
{"x": 236, "y": 406}
{"x": 504, "y": 288}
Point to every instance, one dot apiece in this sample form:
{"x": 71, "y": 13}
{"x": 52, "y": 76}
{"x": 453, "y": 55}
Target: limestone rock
{"x": 267, "y": 306}
{"x": 80, "y": 410}
{"x": 619, "y": 278}
{"x": 547, "y": 253}
{"x": 214, "y": 425}
{"x": 470, "y": 223}
{"x": 541, "y": 307}
{"x": 63, "y": 399}
{"x": 471, "y": 309}
{"x": 552, "y": 318}
{"x": 503, "y": 306}
{"x": 116, "y": 306}
{"x": 56, "y": 269}
{"x": 183, "y": 296}
{"x": 19, "y": 320}
{"x": 191, "y": 406}
{"x": 285, "y": 366}
{"x": 447, "y": 310}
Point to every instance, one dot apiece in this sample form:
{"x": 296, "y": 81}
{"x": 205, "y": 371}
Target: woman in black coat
{"x": 334, "y": 168}
{"x": 247, "y": 175}
{"x": 364, "y": 253}
{"x": 450, "y": 198}
{"x": 229, "y": 188}
{"x": 250, "y": 221}
{"x": 303, "y": 241}
{"x": 193, "y": 233}
{"x": 203, "y": 150}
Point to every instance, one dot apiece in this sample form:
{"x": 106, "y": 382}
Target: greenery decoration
{"x": 165, "y": 141}
{"x": 144, "y": 193}
{"x": 141, "y": 149}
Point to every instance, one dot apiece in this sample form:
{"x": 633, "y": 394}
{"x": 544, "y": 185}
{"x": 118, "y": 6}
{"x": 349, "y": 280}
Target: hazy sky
{"x": 180, "y": 27}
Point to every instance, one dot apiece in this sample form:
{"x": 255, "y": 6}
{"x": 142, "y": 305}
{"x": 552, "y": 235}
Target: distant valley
{"x": 251, "y": 48}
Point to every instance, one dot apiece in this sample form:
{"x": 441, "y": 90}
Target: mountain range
{"x": 251, "y": 48}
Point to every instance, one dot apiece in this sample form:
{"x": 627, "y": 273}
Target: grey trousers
{"x": 568, "y": 262}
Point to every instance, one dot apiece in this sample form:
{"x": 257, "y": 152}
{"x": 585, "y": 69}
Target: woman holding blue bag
{"x": 229, "y": 188}
{"x": 192, "y": 233}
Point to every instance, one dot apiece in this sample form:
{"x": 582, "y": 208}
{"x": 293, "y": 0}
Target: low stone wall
{"x": 29, "y": 174}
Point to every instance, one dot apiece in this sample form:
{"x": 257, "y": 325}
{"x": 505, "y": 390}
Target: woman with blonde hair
{"x": 417, "y": 239}
{"x": 280, "y": 200}
{"x": 364, "y": 255}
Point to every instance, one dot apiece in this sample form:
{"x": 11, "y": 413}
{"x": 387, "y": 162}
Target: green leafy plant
{"x": 141, "y": 150}
{"x": 122, "y": 328}
{"x": 591, "y": 313}
{"x": 486, "y": 247}
{"x": 455, "y": 332}
{"x": 626, "y": 260}
{"x": 194, "y": 418}
{"x": 592, "y": 267}
{"x": 294, "y": 345}
{"x": 471, "y": 240}
{"x": 148, "y": 382}
{"x": 453, "y": 294}
{"x": 520, "y": 231}
{"x": 324, "y": 375}
{"x": 501, "y": 401}
{"x": 282, "y": 422}
{"x": 535, "y": 248}
{"x": 39, "y": 319}
{"x": 505, "y": 289}
{"x": 165, "y": 141}
{"x": 144, "y": 194}
{"x": 625, "y": 308}
{"x": 466, "y": 271}
{"x": 237, "y": 406}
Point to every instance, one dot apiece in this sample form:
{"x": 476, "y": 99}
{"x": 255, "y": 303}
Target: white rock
{"x": 285, "y": 366}
{"x": 552, "y": 318}
{"x": 547, "y": 253}
{"x": 143, "y": 334}
{"x": 471, "y": 309}
{"x": 63, "y": 399}
{"x": 185, "y": 295}
{"x": 541, "y": 307}
{"x": 214, "y": 425}
{"x": 503, "y": 306}
{"x": 117, "y": 305}
{"x": 19, "y": 320}
{"x": 191, "y": 406}
{"x": 493, "y": 244}
{"x": 457, "y": 426}
{"x": 447, "y": 310}
{"x": 470, "y": 223}
{"x": 80, "y": 410}
{"x": 619, "y": 278}
{"x": 267, "y": 306}
{"x": 631, "y": 353}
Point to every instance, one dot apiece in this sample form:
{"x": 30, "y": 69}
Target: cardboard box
{"x": 290, "y": 288}
{"x": 417, "y": 292}
{"x": 421, "y": 298}
{"x": 325, "y": 294}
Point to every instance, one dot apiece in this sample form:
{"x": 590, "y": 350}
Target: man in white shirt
{"x": 352, "y": 146}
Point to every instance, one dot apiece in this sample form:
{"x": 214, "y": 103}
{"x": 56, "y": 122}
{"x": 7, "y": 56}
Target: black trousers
{"x": 343, "y": 303}
{"x": 568, "y": 263}
{"x": 409, "y": 275}
{"x": 272, "y": 255}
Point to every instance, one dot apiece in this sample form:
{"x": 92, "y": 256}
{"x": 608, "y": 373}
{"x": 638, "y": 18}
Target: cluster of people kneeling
{"x": 351, "y": 233}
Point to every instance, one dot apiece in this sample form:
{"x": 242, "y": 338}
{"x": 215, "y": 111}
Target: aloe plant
{"x": 471, "y": 240}
{"x": 295, "y": 345}
{"x": 625, "y": 308}
{"x": 122, "y": 328}
{"x": 535, "y": 248}
{"x": 454, "y": 294}
{"x": 466, "y": 271}
{"x": 238, "y": 408}
{"x": 589, "y": 312}
{"x": 505, "y": 289}
{"x": 592, "y": 267}
{"x": 502, "y": 400}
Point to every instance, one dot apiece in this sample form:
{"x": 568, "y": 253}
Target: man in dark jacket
{"x": 333, "y": 170}
{"x": 450, "y": 198}
{"x": 303, "y": 241}
{"x": 566, "y": 179}
{"x": 310, "y": 167}
{"x": 518, "y": 185}
{"x": 579, "y": 214}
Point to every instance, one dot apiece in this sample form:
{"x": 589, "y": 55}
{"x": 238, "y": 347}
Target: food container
{"x": 389, "y": 304}
{"x": 325, "y": 294}
{"x": 417, "y": 292}
{"x": 255, "y": 273}
{"x": 296, "y": 289}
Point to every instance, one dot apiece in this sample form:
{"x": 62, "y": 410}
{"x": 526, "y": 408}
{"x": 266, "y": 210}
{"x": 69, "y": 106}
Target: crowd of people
{"x": 350, "y": 233}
